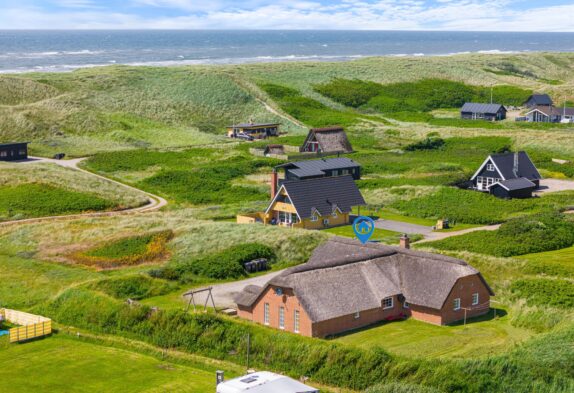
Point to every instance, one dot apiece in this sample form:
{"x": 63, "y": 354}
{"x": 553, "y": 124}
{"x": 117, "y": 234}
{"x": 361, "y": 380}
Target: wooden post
{"x": 465, "y": 317}
{"x": 248, "y": 348}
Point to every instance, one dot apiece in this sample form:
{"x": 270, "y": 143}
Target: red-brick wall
{"x": 463, "y": 289}
{"x": 367, "y": 317}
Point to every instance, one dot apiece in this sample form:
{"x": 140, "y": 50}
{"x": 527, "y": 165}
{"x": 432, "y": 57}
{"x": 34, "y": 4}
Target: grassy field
{"x": 379, "y": 235}
{"x": 66, "y": 364}
{"x": 482, "y": 336}
{"x": 559, "y": 263}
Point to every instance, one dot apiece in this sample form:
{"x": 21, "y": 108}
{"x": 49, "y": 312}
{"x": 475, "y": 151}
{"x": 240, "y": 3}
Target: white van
{"x": 264, "y": 382}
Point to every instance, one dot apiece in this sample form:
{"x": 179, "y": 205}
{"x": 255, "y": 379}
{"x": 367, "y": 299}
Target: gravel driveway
{"x": 554, "y": 185}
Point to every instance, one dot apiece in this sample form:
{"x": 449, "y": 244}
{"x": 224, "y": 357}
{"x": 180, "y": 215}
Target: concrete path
{"x": 403, "y": 227}
{"x": 223, "y": 294}
{"x": 154, "y": 202}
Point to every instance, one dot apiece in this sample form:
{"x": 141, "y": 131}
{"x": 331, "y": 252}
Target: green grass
{"x": 379, "y": 235}
{"x": 35, "y": 200}
{"x": 482, "y": 336}
{"x": 122, "y": 248}
{"x": 545, "y": 292}
{"x": 558, "y": 263}
{"x": 62, "y": 364}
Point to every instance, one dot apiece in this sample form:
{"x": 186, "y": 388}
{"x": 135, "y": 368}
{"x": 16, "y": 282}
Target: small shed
{"x": 520, "y": 188}
{"x": 491, "y": 112}
{"x": 538, "y": 100}
{"x": 14, "y": 151}
{"x": 274, "y": 150}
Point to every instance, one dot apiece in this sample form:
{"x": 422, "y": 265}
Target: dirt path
{"x": 154, "y": 202}
{"x": 431, "y": 237}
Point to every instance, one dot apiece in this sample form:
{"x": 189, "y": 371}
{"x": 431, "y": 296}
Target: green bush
{"x": 133, "y": 287}
{"x": 228, "y": 263}
{"x": 519, "y": 236}
{"x": 349, "y": 92}
{"x": 38, "y": 200}
{"x": 545, "y": 292}
{"x": 426, "y": 144}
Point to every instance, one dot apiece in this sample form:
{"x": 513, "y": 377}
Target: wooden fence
{"x": 31, "y": 326}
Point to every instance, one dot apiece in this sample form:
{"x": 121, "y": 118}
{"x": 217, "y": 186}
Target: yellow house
{"x": 314, "y": 203}
{"x": 253, "y": 130}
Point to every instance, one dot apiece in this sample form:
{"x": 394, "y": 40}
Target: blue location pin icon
{"x": 363, "y": 227}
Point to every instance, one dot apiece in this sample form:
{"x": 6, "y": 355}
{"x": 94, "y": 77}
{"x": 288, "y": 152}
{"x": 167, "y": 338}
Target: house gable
{"x": 484, "y": 170}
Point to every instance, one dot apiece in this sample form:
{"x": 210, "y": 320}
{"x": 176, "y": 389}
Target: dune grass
{"x": 558, "y": 263}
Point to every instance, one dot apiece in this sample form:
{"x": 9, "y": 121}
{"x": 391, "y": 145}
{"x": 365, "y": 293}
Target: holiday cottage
{"x": 327, "y": 140}
{"x": 491, "y": 112}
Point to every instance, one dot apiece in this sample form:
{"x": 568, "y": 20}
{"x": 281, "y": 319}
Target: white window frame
{"x": 456, "y": 304}
{"x": 406, "y": 304}
{"x": 357, "y": 315}
{"x": 266, "y": 314}
{"x": 475, "y": 298}
{"x": 296, "y": 321}
{"x": 387, "y": 300}
{"x": 281, "y": 317}
{"x": 314, "y": 217}
{"x": 490, "y": 167}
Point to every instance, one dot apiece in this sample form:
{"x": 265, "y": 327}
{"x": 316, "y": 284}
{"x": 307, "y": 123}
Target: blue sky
{"x": 493, "y": 15}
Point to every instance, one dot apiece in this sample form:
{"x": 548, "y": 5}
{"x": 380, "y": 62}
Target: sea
{"x": 58, "y": 51}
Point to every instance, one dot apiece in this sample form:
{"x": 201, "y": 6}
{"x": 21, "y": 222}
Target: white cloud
{"x": 489, "y": 15}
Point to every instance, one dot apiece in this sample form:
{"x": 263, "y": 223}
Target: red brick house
{"x": 347, "y": 285}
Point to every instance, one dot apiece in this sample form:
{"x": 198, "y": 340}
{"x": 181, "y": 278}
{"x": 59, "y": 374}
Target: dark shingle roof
{"x": 331, "y": 139}
{"x": 540, "y": 99}
{"x": 552, "y": 111}
{"x": 481, "y": 108}
{"x": 317, "y": 167}
{"x": 323, "y": 194}
{"x": 344, "y": 276}
{"x": 13, "y": 144}
{"x": 505, "y": 163}
{"x": 515, "y": 184}
{"x": 247, "y": 125}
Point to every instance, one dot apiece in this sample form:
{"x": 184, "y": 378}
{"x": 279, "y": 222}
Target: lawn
{"x": 482, "y": 336}
{"x": 380, "y": 235}
{"x": 63, "y": 364}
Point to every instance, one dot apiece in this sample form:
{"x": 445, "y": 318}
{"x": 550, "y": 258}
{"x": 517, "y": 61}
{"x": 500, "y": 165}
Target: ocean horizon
{"x": 61, "y": 50}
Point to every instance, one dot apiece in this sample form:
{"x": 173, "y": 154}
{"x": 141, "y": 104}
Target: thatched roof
{"x": 330, "y": 139}
{"x": 344, "y": 276}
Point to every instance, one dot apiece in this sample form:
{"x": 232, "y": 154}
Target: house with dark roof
{"x": 538, "y": 100}
{"x": 491, "y": 112}
{"x": 15, "y": 151}
{"x": 326, "y": 167}
{"x": 507, "y": 175}
{"x": 253, "y": 130}
{"x": 550, "y": 114}
{"x": 327, "y": 140}
{"x": 314, "y": 203}
{"x": 347, "y": 285}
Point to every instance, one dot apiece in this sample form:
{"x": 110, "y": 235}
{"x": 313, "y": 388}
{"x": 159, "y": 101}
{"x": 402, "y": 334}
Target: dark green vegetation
{"x": 554, "y": 263}
{"x": 470, "y": 207}
{"x": 228, "y": 263}
{"x": 307, "y": 110}
{"x": 133, "y": 287}
{"x": 196, "y": 176}
{"x": 37, "y": 200}
{"x": 127, "y": 251}
{"x": 522, "y": 369}
{"x": 420, "y": 96}
{"x": 545, "y": 292}
{"x": 519, "y": 236}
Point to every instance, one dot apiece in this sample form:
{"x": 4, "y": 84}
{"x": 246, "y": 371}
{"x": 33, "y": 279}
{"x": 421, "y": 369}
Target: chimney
{"x": 219, "y": 377}
{"x": 274, "y": 181}
{"x": 405, "y": 241}
{"x": 515, "y": 166}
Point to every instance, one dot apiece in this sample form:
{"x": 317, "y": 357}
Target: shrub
{"x": 127, "y": 251}
{"x": 525, "y": 235}
{"x": 545, "y": 292}
{"x": 395, "y": 387}
{"x": 133, "y": 287}
{"x": 228, "y": 263}
{"x": 426, "y": 144}
{"x": 349, "y": 92}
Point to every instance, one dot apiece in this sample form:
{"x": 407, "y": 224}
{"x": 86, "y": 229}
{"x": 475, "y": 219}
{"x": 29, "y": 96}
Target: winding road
{"x": 155, "y": 202}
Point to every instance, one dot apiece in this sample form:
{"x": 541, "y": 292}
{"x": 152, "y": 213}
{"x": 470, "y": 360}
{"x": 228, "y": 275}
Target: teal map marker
{"x": 364, "y": 227}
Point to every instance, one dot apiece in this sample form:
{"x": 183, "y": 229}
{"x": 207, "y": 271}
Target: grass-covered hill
{"x": 120, "y": 107}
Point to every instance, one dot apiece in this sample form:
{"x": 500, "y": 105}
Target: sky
{"x": 487, "y": 15}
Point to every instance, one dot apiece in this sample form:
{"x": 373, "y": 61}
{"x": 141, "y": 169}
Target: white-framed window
{"x": 266, "y": 313}
{"x": 456, "y": 304}
{"x": 281, "y": 317}
{"x": 326, "y": 221}
{"x": 490, "y": 167}
{"x": 406, "y": 304}
{"x": 480, "y": 179}
{"x": 475, "y": 299}
{"x": 296, "y": 321}
{"x": 314, "y": 217}
{"x": 345, "y": 172}
{"x": 357, "y": 315}
{"x": 3, "y": 154}
{"x": 388, "y": 302}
